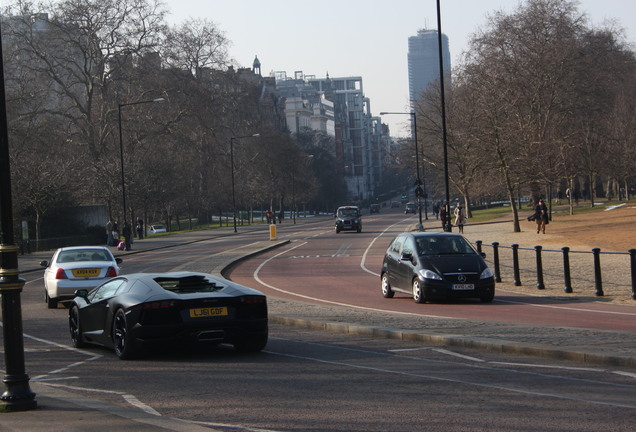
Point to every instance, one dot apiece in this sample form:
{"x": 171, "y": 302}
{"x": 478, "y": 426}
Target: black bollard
{"x": 632, "y": 260}
{"x": 566, "y": 269}
{"x": 598, "y": 280}
{"x": 515, "y": 264}
{"x": 478, "y": 243}
{"x": 495, "y": 257}
{"x": 540, "y": 284}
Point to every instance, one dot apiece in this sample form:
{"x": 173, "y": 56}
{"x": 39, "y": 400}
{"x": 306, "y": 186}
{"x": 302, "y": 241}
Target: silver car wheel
{"x": 387, "y": 292}
{"x": 418, "y": 294}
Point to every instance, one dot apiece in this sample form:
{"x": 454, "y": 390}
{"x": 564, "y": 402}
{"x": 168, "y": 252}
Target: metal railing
{"x": 573, "y": 269}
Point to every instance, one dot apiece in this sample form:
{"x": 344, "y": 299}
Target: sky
{"x": 367, "y": 38}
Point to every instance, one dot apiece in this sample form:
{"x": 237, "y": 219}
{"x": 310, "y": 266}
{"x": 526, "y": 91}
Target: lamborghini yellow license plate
{"x": 208, "y": 312}
{"x": 86, "y": 272}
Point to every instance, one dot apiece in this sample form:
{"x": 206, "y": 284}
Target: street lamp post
{"x": 121, "y": 149}
{"x": 447, "y": 223}
{"x": 232, "y": 168}
{"x": 419, "y": 191}
{"x": 293, "y": 210}
{"x": 17, "y": 395}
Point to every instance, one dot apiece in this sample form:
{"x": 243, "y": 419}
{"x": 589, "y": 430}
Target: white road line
{"x": 530, "y": 365}
{"x": 229, "y": 426}
{"x": 46, "y": 378}
{"x": 132, "y": 400}
{"x": 262, "y": 282}
{"x": 454, "y": 354}
{"x": 138, "y": 404}
{"x": 627, "y": 374}
{"x": 366, "y": 252}
{"x": 454, "y": 380}
{"x": 410, "y": 349}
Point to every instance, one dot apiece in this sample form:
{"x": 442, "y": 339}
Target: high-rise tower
{"x": 423, "y": 62}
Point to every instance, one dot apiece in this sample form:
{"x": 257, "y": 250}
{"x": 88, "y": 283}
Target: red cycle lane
{"x": 327, "y": 269}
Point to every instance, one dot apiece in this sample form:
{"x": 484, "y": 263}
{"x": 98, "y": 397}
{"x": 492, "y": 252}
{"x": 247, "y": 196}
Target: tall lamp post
{"x": 232, "y": 167}
{"x": 447, "y": 223}
{"x": 121, "y": 149}
{"x": 419, "y": 191}
{"x": 18, "y": 395}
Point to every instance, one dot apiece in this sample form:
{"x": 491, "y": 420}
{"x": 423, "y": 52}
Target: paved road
{"x": 588, "y": 345}
{"x": 607, "y": 348}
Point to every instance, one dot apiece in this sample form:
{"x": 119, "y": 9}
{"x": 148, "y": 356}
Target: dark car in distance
{"x": 410, "y": 208}
{"x": 430, "y": 266}
{"x": 131, "y": 312}
{"x": 374, "y": 208}
{"x": 348, "y": 218}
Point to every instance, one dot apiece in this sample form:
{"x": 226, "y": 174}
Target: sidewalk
{"x": 59, "y": 410}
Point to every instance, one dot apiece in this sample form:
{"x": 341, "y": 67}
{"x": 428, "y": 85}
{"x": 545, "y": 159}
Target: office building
{"x": 423, "y": 62}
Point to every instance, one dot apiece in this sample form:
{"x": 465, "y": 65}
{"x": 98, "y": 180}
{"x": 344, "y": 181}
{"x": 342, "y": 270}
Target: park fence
{"x": 585, "y": 272}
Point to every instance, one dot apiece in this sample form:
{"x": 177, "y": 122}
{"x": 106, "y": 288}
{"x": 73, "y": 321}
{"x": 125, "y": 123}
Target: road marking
{"x": 627, "y": 374}
{"x": 444, "y": 377}
{"x": 262, "y": 282}
{"x": 366, "y": 252}
{"x": 410, "y": 349}
{"x": 138, "y": 404}
{"x": 316, "y": 256}
{"x": 132, "y": 400}
{"x": 230, "y": 426}
{"x": 531, "y": 365}
{"x": 454, "y": 354}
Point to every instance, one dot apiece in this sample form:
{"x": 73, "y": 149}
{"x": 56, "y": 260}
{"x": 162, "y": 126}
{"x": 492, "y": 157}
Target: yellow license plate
{"x": 86, "y": 272}
{"x": 208, "y": 312}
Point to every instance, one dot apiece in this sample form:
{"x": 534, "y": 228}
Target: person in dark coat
{"x": 127, "y": 235}
{"x": 541, "y": 216}
{"x": 140, "y": 228}
{"x": 444, "y": 216}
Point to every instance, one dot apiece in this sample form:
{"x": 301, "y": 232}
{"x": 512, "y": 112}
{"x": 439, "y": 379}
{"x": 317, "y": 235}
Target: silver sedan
{"x": 74, "y": 268}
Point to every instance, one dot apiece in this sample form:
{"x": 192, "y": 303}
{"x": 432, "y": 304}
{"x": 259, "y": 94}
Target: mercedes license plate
{"x": 463, "y": 287}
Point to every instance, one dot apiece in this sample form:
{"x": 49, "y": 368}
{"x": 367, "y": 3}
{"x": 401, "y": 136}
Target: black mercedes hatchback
{"x": 435, "y": 266}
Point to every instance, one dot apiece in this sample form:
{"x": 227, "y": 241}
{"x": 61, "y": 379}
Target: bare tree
{"x": 196, "y": 46}
{"x": 468, "y": 163}
{"x": 526, "y": 71}
{"x": 80, "y": 49}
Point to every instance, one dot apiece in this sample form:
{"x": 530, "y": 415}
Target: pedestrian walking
{"x": 115, "y": 234}
{"x": 127, "y": 235}
{"x": 541, "y": 216}
{"x": 140, "y": 228}
{"x": 444, "y": 216}
{"x": 460, "y": 220}
{"x": 109, "y": 233}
